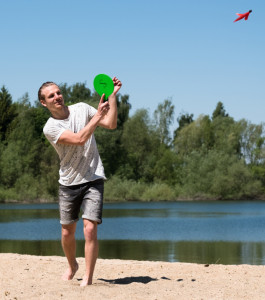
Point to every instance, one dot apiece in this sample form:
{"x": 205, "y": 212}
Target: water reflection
{"x": 200, "y": 232}
{"x": 24, "y": 215}
{"x": 184, "y": 251}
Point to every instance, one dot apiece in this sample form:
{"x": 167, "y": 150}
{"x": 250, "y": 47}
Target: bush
{"x": 159, "y": 192}
{"x": 117, "y": 189}
{"x": 217, "y": 175}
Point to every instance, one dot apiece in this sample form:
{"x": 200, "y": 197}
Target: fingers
{"x": 103, "y": 107}
{"x": 116, "y": 81}
{"x": 117, "y": 84}
{"x": 102, "y": 99}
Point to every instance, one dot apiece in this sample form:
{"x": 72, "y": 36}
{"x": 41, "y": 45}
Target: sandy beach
{"x": 39, "y": 277}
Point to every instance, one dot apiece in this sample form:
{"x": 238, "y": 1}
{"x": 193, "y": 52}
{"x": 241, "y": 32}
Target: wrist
{"x": 112, "y": 97}
{"x": 97, "y": 117}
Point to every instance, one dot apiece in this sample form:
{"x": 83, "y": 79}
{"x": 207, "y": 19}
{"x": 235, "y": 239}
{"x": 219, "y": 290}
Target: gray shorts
{"x": 88, "y": 197}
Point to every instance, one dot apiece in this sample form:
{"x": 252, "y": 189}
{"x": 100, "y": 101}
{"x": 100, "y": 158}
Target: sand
{"x": 38, "y": 277}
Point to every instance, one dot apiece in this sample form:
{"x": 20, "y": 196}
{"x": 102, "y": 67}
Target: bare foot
{"x": 70, "y": 273}
{"x": 86, "y": 281}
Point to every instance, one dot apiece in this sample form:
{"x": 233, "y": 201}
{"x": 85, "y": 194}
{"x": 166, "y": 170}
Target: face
{"x": 53, "y": 98}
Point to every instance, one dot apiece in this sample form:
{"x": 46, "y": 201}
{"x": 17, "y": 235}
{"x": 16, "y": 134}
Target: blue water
{"x": 178, "y": 221}
{"x": 203, "y": 232}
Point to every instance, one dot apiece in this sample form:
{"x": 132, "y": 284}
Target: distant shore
{"x": 45, "y": 201}
{"x": 38, "y": 277}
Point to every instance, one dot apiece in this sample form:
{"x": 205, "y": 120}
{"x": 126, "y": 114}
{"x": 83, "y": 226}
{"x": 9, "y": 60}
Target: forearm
{"x": 85, "y": 133}
{"x": 110, "y": 119}
{"x": 79, "y": 139}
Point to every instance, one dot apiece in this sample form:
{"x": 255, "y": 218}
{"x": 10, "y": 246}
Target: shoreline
{"x": 39, "y": 277}
{"x": 196, "y": 199}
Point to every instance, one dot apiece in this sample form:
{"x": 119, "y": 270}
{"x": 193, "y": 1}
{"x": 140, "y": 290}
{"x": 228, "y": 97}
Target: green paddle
{"x": 103, "y": 84}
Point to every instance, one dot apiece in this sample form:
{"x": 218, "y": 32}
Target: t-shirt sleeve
{"x": 53, "y": 132}
{"x": 91, "y": 111}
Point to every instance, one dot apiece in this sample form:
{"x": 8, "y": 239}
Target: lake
{"x": 224, "y": 232}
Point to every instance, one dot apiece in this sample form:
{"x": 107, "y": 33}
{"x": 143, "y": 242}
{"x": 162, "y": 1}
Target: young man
{"x": 70, "y": 131}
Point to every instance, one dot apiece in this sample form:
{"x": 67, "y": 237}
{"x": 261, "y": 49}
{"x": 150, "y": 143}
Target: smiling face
{"x": 52, "y": 98}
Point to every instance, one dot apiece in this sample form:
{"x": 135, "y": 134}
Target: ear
{"x": 43, "y": 103}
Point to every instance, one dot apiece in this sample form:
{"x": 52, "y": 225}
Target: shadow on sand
{"x": 129, "y": 280}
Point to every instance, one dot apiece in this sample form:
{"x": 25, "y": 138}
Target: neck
{"x": 62, "y": 114}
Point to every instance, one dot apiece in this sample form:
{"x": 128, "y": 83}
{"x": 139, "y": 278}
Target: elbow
{"x": 109, "y": 124}
{"x": 113, "y": 126}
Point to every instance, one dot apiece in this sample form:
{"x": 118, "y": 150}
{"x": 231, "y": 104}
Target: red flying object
{"x": 242, "y": 16}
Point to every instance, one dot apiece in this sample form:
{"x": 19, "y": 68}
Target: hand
{"x": 103, "y": 107}
{"x": 117, "y": 85}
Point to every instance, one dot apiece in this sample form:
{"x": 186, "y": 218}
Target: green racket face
{"x": 103, "y": 84}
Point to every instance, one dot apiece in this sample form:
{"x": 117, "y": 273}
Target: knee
{"x": 67, "y": 232}
{"x": 90, "y": 230}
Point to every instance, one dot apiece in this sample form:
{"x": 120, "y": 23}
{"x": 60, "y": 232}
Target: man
{"x": 70, "y": 131}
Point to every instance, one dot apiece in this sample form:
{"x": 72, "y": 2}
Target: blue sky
{"x": 188, "y": 51}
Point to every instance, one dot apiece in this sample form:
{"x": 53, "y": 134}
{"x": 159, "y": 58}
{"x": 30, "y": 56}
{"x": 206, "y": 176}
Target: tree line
{"x": 210, "y": 157}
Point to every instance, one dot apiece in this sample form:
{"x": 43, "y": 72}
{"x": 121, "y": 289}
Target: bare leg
{"x": 91, "y": 250}
{"x": 69, "y": 248}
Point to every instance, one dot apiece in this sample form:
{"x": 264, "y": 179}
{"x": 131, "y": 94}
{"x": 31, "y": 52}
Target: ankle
{"x": 86, "y": 281}
{"x": 74, "y": 266}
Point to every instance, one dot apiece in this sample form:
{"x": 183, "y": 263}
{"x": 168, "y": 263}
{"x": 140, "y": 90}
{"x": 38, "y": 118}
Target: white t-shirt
{"x": 78, "y": 164}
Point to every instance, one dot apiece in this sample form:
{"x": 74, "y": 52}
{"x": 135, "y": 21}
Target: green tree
{"x": 24, "y": 101}
{"x": 22, "y": 149}
{"x": 219, "y": 111}
{"x": 7, "y": 112}
{"x": 197, "y": 136}
{"x": 110, "y": 149}
{"x": 139, "y": 141}
{"x": 164, "y": 116}
{"x": 252, "y": 142}
{"x": 78, "y": 92}
{"x": 183, "y": 120}
{"x": 123, "y": 107}
{"x": 218, "y": 175}
{"x": 226, "y": 135}
{"x": 21, "y": 159}
{"x": 109, "y": 142}
{"x": 167, "y": 166}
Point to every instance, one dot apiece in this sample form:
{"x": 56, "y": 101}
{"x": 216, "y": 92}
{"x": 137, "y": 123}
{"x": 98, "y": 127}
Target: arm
{"x": 106, "y": 116}
{"x": 79, "y": 139}
{"x": 109, "y": 121}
